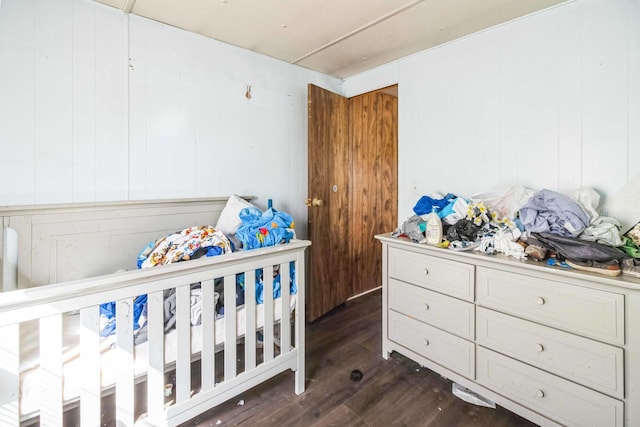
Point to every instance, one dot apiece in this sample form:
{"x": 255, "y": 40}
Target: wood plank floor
{"x": 392, "y": 392}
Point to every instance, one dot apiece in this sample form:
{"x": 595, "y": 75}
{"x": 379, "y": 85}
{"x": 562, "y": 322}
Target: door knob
{"x": 314, "y": 202}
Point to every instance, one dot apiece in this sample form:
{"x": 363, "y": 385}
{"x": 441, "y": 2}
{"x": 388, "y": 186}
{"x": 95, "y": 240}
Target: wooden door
{"x": 374, "y": 175}
{"x": 352, "y": 151}
{"x": 328, "y": 163}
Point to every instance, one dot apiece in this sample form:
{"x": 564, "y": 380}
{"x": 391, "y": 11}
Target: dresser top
{"x": 505, "y": 262}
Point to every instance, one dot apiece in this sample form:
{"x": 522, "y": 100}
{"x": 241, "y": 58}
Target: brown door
{"x": 328, "y": 163}
{"x": 352, "y": 161}
{"x": 374, "y": 176}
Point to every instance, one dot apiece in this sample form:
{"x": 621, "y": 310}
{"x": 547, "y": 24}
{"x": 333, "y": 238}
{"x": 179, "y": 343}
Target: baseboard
{"x": 364, "y": 293}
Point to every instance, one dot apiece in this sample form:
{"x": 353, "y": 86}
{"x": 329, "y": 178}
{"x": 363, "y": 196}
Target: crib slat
{"x": 250, "y": 318}
{"x": 229, "y": 327}
{"x": 10, "y": 362}
{"x": 90, "y": 362}
{"x": 268, "y": 313}
{"x": 155, "y": 375}
{"x": 183, "y": 356}
{"x": 51, "y": 403}
{"x": 124, "y": 349}
{"x": 285, "y": 298}
{"x": 208, "y": 335}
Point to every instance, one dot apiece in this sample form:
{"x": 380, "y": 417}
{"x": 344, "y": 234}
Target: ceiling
{"x": 337, "y": 37}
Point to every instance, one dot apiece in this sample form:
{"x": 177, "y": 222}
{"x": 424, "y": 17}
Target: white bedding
{"x": 73, "y": 375}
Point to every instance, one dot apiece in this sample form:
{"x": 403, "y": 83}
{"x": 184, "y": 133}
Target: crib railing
{"x": 47, "y": 306}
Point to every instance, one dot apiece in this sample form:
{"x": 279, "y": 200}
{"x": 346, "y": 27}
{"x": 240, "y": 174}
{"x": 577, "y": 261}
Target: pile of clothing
{"x": 254, "y": 229}
{"x": 545, "y": 225}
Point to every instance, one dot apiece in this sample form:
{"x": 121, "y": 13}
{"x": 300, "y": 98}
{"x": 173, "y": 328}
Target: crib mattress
{"x": 72, "y": 370}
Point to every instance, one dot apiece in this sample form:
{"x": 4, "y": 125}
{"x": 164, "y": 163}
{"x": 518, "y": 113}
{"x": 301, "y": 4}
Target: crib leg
{"x": 300, "y": 358}
{"x": 300, "y": 378}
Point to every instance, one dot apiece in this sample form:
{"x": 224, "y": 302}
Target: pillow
{"x": 229, "y": 219}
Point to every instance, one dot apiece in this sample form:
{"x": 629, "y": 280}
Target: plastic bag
{"x": 470, "y": 396}
{"x": 588, "y": 199}
{"x": 505, "y": 203}
{"x": 604, "y": 230}
{"x": 463, "y": 230}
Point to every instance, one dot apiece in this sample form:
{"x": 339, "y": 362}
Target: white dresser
{"x": 556, "y": 346}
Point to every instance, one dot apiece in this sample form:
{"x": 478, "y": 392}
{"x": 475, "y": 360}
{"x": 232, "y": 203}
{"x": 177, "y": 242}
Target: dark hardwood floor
{"x": 391, "y": 392}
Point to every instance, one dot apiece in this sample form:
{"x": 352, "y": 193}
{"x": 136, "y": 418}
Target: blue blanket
{"x": 260, "y": 229}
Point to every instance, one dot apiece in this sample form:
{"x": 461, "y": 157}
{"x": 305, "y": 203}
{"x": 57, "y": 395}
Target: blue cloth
{"x": 108, "y": 310}
{"x": 276, "y": 283}
{"x": 448, "y": 208}
{"x": 426, "y": 204}
{"x": 260, "y": 229}
{"x": 214, "y": 251}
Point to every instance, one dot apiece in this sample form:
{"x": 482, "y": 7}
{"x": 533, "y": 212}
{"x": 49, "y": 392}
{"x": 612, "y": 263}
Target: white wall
{"x": 63, "y": 102}
{"x": 81, "y": 122}
{"x": 551, "y": 100}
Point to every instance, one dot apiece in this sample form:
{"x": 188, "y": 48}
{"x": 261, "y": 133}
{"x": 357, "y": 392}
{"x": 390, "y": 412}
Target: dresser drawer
{"x": 582, "y": 360}
{"x": 451, "y": 314}
{"x": 438, "y": 274}
{"x": 441, "y": 347}
{"x": 590, "y": 312}
{"x": 558, "y": 399}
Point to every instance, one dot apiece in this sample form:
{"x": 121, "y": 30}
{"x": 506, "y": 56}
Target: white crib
{"x": 75, "y": 369}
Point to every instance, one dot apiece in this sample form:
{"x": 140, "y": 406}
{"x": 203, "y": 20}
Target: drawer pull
{"x": 539, "y": 348}
{"x": 539, "y": 300}
{"x": 426, "y": 307}
{"x": 426, "y": 342}
{"x": 426, "y": 271}
{"x": 539, "y": 393}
